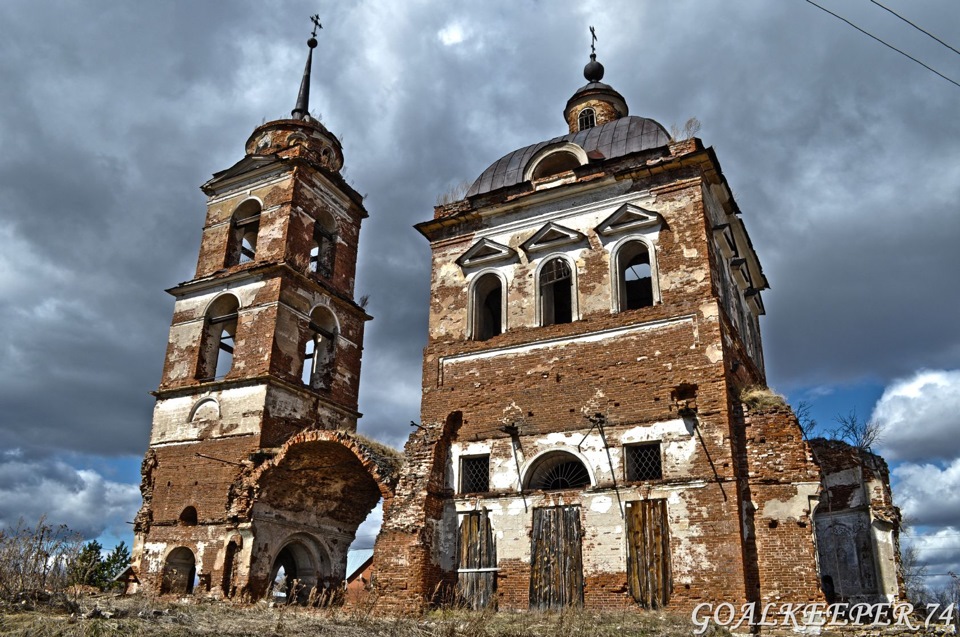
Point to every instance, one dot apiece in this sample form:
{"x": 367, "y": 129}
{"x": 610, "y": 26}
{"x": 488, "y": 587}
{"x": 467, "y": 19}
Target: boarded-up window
{"x": 648, "y": 553}
{"x": 556, "y": 558}
{"x": 477, "y": 561}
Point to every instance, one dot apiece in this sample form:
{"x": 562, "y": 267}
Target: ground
{"x": 139, "y": 616}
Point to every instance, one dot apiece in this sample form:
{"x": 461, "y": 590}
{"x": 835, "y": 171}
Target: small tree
{"x": 862, "y": 434}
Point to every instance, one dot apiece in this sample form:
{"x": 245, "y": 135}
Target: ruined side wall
{"x": 781, "y": 481}
{"x": 407, "y": 571}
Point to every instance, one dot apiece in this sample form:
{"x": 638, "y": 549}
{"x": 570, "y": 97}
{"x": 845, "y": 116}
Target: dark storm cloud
{"x": 841, "y": 154}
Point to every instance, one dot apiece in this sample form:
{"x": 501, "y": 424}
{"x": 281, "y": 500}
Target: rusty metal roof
{"x": 613, "y": 139}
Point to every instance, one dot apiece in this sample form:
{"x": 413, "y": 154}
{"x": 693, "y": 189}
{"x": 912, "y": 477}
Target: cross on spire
{"x": 302, "y": 109}
{"x": 593, "y": 41}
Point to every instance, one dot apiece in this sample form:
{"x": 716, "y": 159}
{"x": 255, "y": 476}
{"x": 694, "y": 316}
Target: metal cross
{"x": 316, "y": 24}
{"x": 593, "y": 40}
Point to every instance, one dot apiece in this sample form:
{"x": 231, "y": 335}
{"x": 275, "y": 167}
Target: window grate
{"x": 643, "y": 462}
{"x": 475, "y": 474}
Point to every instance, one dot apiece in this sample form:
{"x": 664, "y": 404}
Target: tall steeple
{"x": 302, "y": 109}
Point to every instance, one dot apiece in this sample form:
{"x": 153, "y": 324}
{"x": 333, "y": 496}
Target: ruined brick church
{"x": 587, "y": 434}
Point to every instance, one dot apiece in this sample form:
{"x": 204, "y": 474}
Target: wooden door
{"x": 556, "y": 558}
{"x": 477, "y": 561}
{"x": 648, "y": 553}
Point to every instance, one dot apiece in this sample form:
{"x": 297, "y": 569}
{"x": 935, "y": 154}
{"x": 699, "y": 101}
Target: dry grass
{"x": 140, "y": 617}
{"x": 760, "y": 397}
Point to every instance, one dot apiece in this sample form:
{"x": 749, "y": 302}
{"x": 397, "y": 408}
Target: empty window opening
{"x": 587, "y": 119}
{"x": 323, "y": 247}
{"x": 488, "y": 307}
{"x": 649, "y": 572}
{"x": 245, "y": 226}
{"x": 635, "y": 276}
{"x": 556, "y": 558}
{"x": 219, "y": 338}
{"x": 475, "y": 474}
{"x": 643, "y": 462}
{"x": 558, "y": 470}
{"x": 476, "y": 561}
{"x": 320, "y": 349}
{"x": 188, "y": 517}
{"x": 556, "y": 292}
{"x": 556, "y": 163}
{"x": 179, "y": 572}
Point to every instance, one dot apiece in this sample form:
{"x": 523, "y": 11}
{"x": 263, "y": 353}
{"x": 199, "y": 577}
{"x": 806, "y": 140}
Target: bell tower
{"x": 264, "y": 352}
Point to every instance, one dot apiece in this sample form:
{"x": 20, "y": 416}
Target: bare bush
{"x": 36, "y": 559}
{"x": 455, "y": 192}
{"x": 689, "y": 130}
{"x": 852, "y": 429}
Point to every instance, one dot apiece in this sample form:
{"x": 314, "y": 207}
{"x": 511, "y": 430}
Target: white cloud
{"x": 451, "y": 34}
{"x": 82, "y": 499}
{"x": 920, "y": 416}
{"x": 927, "y": 494}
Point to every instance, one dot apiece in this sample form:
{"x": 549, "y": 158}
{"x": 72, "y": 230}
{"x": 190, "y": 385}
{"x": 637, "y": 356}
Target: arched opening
{"x": 487, "y": 307}
{"x": 220, "y": 329}
{"x": 229, "y": 557}
{"x": 556, "y": 163}
{"x": 634, "y": 276}
{"x": 320, "y": 349}
{"x": 179, "y": 572}
{"x": 556, "y": 292}
{"x": 558, "y": 470}
{"x": 188, "y": 517}
{"x": 323, "y": 246}
{"x": 586, "y": 119}
{"x": 294, "y": 574}
{"x": 245, "y": 227}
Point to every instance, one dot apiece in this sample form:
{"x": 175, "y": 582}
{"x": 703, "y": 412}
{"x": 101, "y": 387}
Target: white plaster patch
{"x": 794, "y": 508}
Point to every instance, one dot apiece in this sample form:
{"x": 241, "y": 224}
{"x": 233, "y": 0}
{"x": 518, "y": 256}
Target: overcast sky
{"x": 842, "y": 154}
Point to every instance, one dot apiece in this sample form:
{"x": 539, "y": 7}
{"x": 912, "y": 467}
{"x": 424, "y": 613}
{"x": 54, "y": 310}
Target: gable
{"x": 551, "y": 236}
{"x": 486, "y": 251}
{"x": 629, "y": 217}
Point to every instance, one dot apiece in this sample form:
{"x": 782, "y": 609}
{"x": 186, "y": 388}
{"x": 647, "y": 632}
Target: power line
{"x": 922, "y": 30}
{"x": 889, "y": 46}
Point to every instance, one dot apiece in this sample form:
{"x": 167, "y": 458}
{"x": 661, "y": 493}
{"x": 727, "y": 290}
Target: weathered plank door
{"x": 477, "y": 561}
{"x": 556, "y": 558}
{"x": 648, "y": 553}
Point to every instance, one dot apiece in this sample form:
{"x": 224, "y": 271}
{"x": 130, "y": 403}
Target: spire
{"x": 302, "y": 109}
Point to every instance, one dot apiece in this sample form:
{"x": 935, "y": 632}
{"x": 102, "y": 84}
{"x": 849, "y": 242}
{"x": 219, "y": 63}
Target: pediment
{"x": 486, "y": 251}
{"x": 550, "y": 236}
{"x": 629, "y": 217}
{"x": 248, "y": 164}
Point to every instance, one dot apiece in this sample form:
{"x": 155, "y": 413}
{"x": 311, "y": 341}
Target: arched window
{"x": 219, "y": 333}
{"x": 188, "y": 517}
{"x": 323, "y": 247}
{"x": 556, "y": 292}
{"x": 634, "y": 276}
{"x": 320, "y": 349}
{"x": 556, "y": 163}
{"x": 558, "y": 470}
{"x": 244, "y": 228}
{"x": 487, "y": 307}
{"x": 587, "y": 119}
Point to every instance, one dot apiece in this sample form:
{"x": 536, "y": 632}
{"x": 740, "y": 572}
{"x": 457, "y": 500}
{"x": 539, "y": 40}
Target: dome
{"x": 617, "y": 138}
